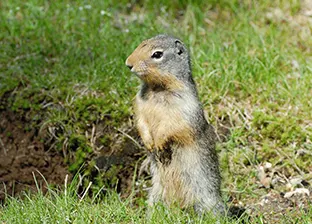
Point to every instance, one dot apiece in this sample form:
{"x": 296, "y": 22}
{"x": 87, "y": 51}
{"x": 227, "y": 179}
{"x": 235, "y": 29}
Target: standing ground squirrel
{"x": 171, "y": 122}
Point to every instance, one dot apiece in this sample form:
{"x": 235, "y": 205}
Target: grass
{"x": 66, "y": 206}
{"x": 64, "y": 60}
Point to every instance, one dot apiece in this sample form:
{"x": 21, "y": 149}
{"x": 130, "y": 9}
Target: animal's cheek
{"x": 149, "y": 67}
{"x": 143, "y": 66}
{"x": 154, "y": 68}
{"x": 140, "y": 68}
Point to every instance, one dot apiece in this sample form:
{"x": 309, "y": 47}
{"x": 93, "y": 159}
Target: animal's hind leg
{"x": 154, "y": 197}
{"x": 217, "y": 208}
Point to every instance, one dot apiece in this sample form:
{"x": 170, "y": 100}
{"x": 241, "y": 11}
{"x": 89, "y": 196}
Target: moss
{"x": 284, "y": 129}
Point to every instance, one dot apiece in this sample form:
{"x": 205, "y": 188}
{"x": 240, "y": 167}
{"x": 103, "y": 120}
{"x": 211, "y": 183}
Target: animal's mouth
{"x": 139, "y": 73}
{"x": 139, "y": 70}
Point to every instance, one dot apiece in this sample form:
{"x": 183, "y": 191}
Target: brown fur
{"x": 171, "y": 123}
{"x": 158, "y": 124}
{"x": 175, "y": 191}
{"x": 140, "y": 59}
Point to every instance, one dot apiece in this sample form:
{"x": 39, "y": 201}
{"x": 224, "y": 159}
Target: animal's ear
{"x": 179, "y": 48}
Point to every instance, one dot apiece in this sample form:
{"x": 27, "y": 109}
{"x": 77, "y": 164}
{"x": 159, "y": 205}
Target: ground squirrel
{"x": 171, "y": 122}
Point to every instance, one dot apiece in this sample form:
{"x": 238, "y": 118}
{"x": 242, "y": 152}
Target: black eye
{"x": 157, "y": 54}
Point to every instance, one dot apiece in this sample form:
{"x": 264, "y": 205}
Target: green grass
{"x": 64, "y": 61}
{"x": 67, "y": 206}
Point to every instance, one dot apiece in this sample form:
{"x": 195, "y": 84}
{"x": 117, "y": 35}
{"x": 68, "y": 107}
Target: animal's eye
{"x": 157, "y": 54}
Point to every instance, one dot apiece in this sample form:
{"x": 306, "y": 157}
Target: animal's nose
{"x": 130, "y": 66}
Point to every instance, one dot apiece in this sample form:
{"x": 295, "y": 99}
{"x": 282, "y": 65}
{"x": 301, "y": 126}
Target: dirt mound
{"x": 24, "y": 154}
{"x": 29, "y": 154}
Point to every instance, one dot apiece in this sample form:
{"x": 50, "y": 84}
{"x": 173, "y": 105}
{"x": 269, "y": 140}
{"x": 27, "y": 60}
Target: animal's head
{"x": 160, "y": 60}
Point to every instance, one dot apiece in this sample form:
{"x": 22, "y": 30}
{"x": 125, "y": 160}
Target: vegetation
{"x": 68, "y": 207}
{"x": 63, "y": 62}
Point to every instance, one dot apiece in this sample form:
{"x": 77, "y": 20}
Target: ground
{"x": 24, "y": 156}
{"x": 28, "y": 159}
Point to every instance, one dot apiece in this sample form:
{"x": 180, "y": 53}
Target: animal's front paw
{"x": 149, "y": 146}
{"x": 147, "y": 140}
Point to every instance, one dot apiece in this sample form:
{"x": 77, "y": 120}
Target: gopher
{"x": 171, "y": 122}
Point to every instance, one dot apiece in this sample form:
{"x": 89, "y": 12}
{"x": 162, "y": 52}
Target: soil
{"x": 274, "y": 205}
{"x": 25, "y": 158}
{"x": 29, "y": 158}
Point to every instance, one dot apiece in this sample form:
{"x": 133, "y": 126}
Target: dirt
{"x": 25, "y": 158}
{"x": 30, "y": 159}
{"x": 274, "y": 205}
